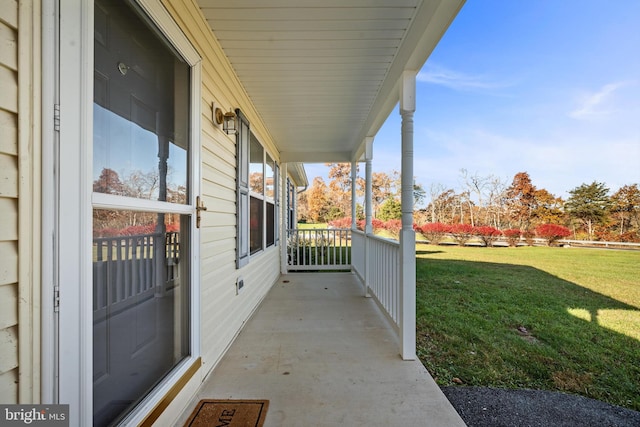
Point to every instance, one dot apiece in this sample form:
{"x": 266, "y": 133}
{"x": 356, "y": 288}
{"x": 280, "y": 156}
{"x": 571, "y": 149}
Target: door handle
{"x": 199, "y": 207}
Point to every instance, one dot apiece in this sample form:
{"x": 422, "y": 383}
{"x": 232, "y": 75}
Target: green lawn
{"x": 312, "y": 226}
{"x": 532, "y": 317}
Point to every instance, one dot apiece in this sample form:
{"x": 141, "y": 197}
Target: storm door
{"x": 142, "y": 206}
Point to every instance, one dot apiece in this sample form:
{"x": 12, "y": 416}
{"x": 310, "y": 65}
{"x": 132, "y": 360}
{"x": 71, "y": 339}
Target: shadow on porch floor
{"x": 324, "y": 355}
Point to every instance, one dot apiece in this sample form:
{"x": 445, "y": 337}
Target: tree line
{"x": 592, "y": 211}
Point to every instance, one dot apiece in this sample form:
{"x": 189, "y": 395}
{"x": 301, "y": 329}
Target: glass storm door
{"x": 141, "y": 209}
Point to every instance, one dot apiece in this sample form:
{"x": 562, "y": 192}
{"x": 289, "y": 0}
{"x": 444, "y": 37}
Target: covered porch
{"x": 324, "y": 355}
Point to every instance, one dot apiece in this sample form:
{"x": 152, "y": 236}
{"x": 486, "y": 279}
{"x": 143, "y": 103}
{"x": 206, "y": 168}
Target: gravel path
{"x": 492, "y": 407}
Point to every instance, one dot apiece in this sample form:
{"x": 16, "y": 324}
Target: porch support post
{"x": 369, "y": 185}
{"x": 407, "y": 234}
{"x": 354, "y": 176}
{"x": 284, "y": 218}
{"x": 368, "y": 228}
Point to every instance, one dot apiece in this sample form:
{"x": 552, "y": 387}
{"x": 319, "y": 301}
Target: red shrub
{"x": 512, "y": 235}
{"x": 434, "y": 231}
{"x": 487, "y": 234}
{"x": 377, "y": 224}
{"x": 341, "y": 222}
{"x": 462, "y": 233}
{"x": 552, "y": 232}
{"x": 173, "y": 228}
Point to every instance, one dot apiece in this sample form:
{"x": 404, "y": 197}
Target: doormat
{"x": 231, "y": 413}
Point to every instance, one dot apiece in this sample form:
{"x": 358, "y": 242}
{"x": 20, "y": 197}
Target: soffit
{"x": 323, "y": 74}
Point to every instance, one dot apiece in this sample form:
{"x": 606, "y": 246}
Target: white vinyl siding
{"x": 8, "y": 201}
{"x": 223, "y": 311}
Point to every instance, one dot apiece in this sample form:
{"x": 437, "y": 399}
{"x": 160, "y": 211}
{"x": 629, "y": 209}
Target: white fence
{"x": 315, "y": 250}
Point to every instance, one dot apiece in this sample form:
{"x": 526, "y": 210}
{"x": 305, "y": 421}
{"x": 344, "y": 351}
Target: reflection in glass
{"x": 141, "y": 109}
{"x": 140, "y": 305}
{"x": 268, "y": 179}
{"x": 256, "y": 161}
{"x": 127, "y": 163}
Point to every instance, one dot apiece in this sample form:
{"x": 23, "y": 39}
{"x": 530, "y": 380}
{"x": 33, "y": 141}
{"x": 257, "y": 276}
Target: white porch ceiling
{"x": 323, "y": 74}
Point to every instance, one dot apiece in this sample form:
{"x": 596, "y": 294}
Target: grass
{"x": 312, "y": 226}
{"x": 532, "y": 317}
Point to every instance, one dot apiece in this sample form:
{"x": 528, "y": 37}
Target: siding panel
{"x": 8, "y": 43}
{"x": 8, "y": 176}
{"x": 9, "y": 265}
{"x": 8, "y": 306}
{"x": 9, "y": 223}
{"x": 9, "y": 12}
{"x": 9, "y": 386}
{"x": 9, "y": 349}
{"x": 8, "y": 89}
{"x": 8, "y": 133}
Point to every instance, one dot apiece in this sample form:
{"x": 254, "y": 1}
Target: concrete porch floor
{"x": 323, "y": 355}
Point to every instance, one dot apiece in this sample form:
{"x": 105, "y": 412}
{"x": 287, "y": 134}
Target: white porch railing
{"x": 323, "y": 249}
{"x": 375, "y": 260}
{"x": 357, "y": 253}
{"x": 384, "y": 275}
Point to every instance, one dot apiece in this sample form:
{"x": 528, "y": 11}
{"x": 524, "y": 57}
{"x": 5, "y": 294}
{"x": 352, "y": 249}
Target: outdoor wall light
{"x": 229, "y": 124}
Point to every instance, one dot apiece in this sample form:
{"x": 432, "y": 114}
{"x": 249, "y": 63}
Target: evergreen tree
{"x": 590, "y": 204}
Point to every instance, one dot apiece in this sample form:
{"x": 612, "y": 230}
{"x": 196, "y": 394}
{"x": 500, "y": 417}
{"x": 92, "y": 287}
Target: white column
{"x": 368, "y": 212}
{"x": 407, "y": 235}
{"x": 354, "y": 177}
{"x": 284, "y": 217}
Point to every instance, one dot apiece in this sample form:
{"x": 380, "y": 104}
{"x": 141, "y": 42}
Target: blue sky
{"x": 548, "y": 87}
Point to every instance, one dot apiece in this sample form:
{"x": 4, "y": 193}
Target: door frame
{"x": 68, "y": 200}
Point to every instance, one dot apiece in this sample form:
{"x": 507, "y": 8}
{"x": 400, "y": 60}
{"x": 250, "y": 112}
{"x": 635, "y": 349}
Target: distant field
{"x": 532, "y": 317}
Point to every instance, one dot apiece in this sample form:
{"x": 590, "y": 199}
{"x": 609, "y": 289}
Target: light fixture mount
{"x": 218, "y": 116}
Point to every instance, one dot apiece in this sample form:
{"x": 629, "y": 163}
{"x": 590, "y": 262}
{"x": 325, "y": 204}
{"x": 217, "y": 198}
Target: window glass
{"x": 256, "y": 167}
{"x": 140, "y": 305}
{"x": 141, "y": 260}
{"x": 269, "y": 177}
{"x": 271, "y": 235}
{"x": 140, "y": 110}
{"x": 256, "y": 225}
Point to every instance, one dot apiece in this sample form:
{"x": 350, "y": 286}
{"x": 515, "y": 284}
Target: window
{"x": 257, "y": 195}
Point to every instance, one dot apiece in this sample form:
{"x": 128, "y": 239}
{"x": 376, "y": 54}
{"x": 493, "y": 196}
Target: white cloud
{"x": 599, "y": 103}
{"x": 456, "y": 80}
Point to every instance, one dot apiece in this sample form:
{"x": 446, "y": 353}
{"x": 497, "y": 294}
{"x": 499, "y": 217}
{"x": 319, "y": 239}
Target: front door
{"x": 125, "y": 247}
{"x": 141, "y": 232}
